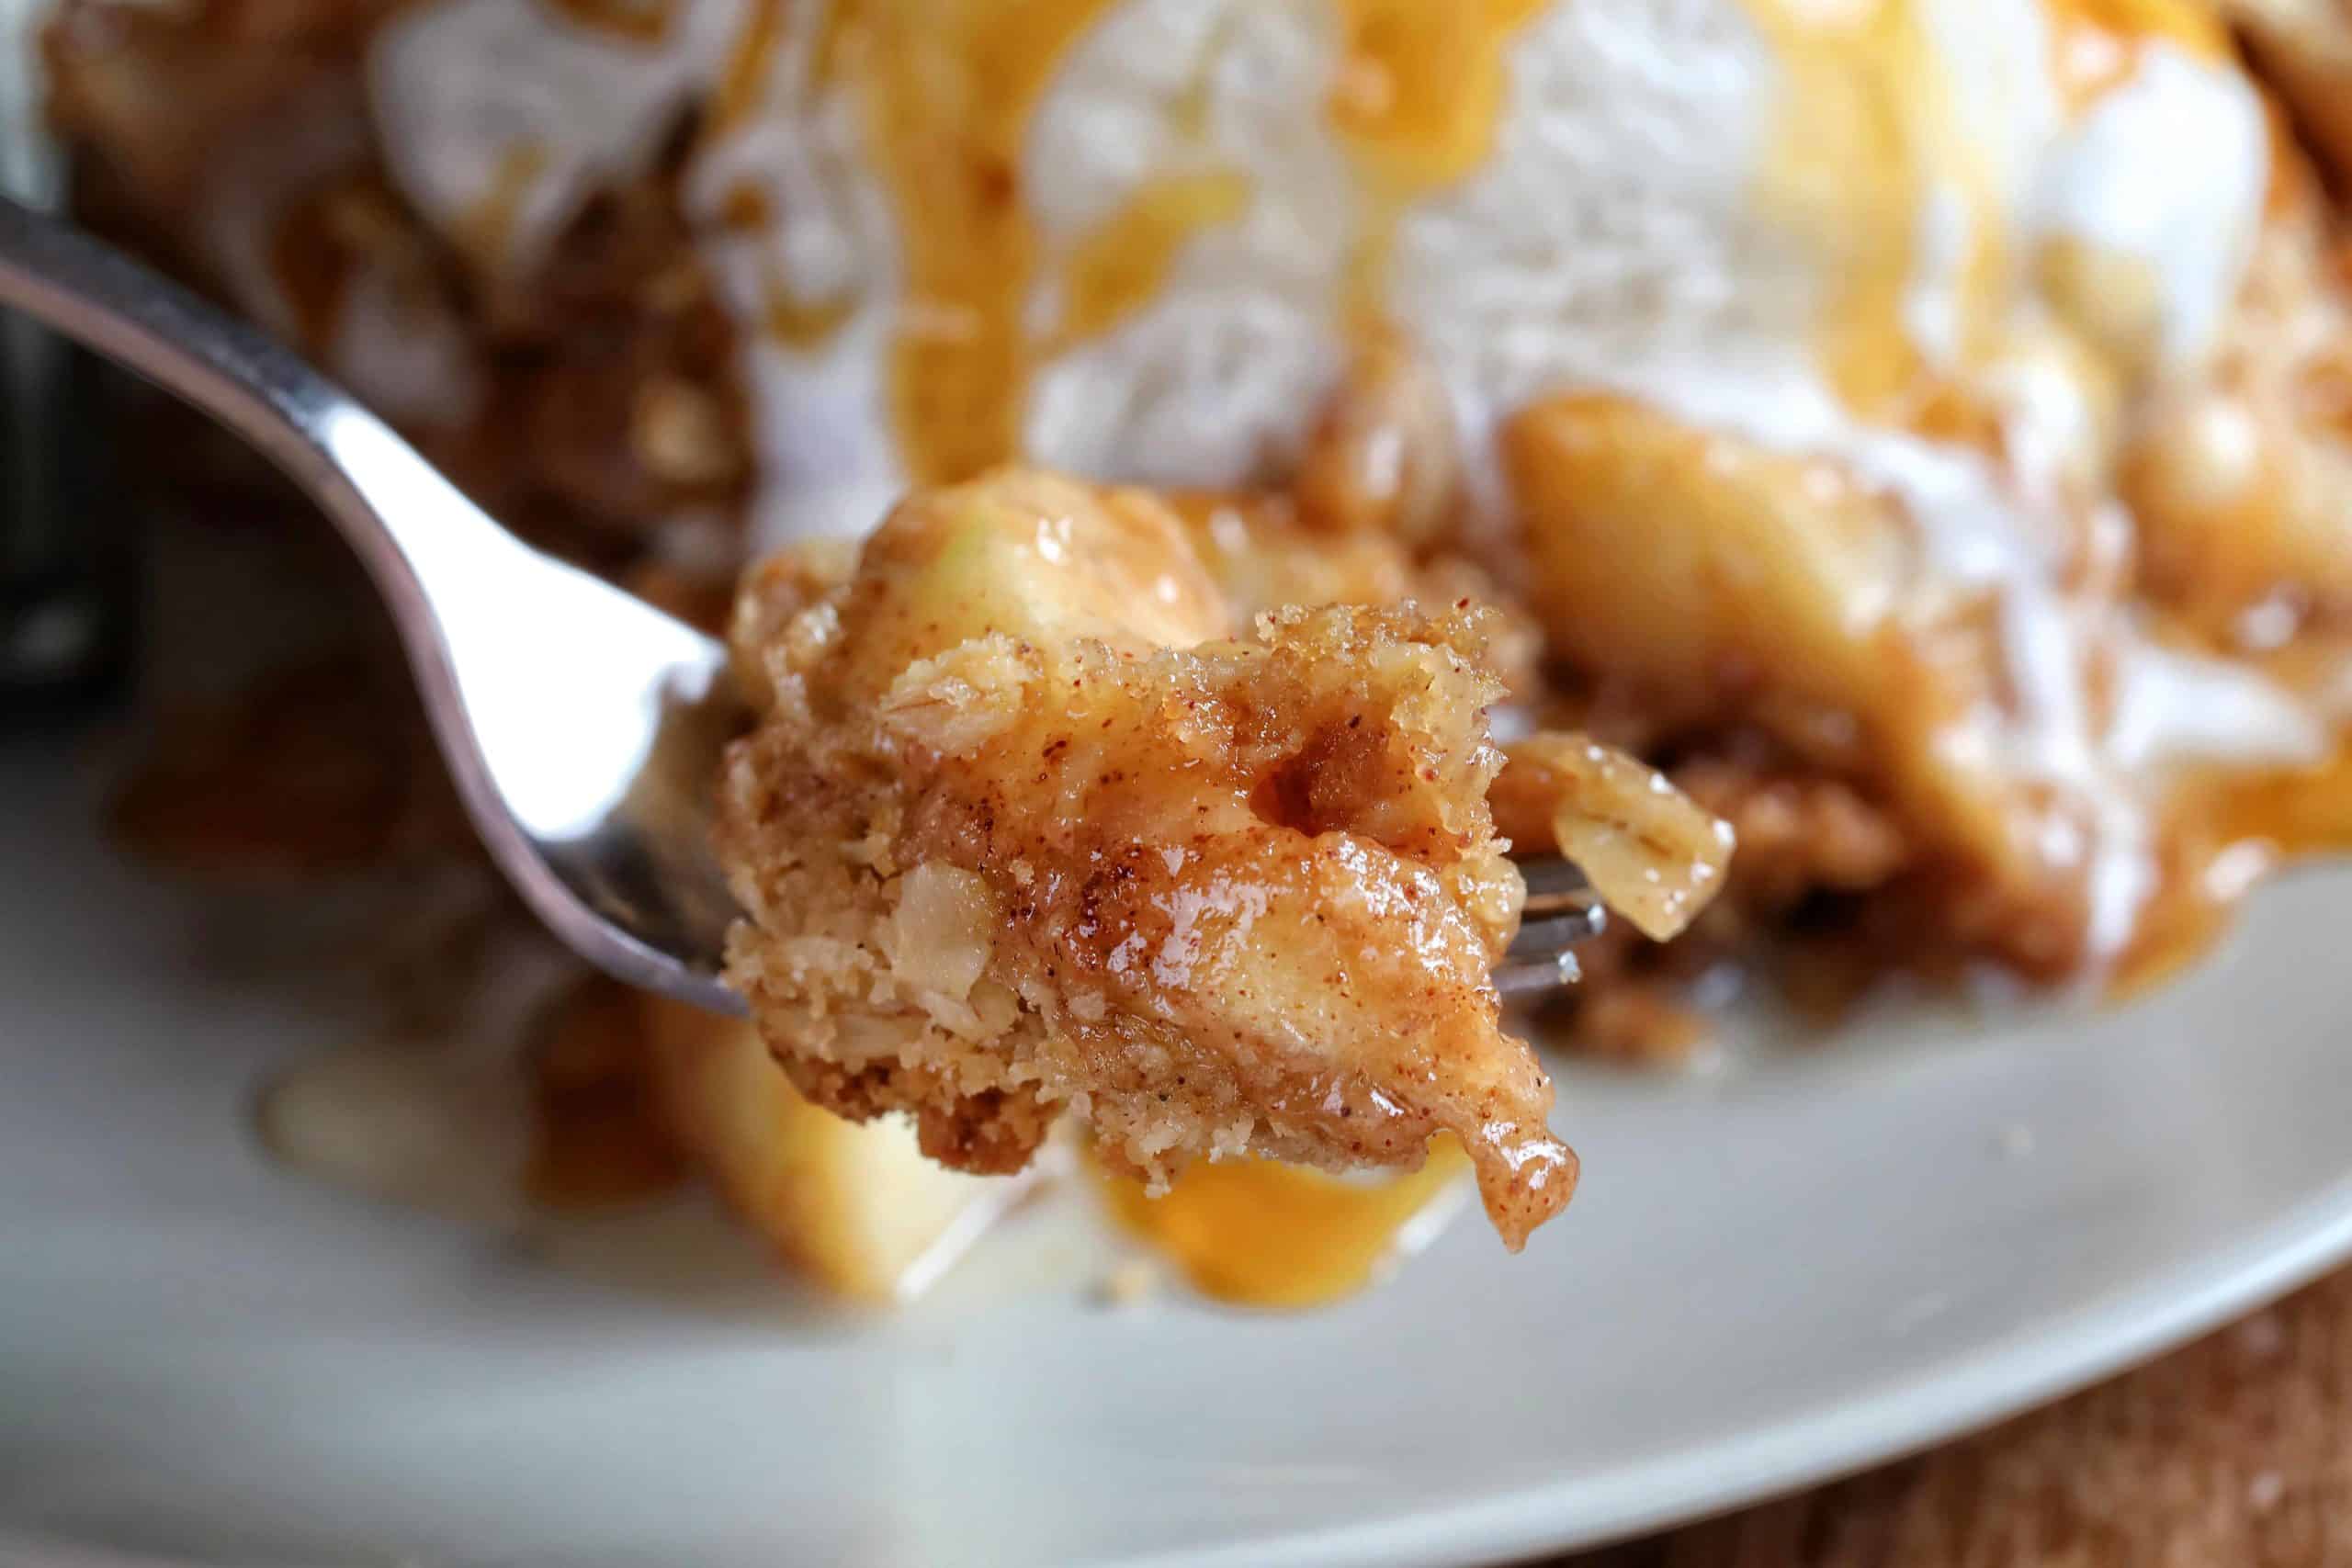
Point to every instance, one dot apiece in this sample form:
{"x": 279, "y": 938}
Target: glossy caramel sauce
{"x": 949, "y": 91}
{"x": 1123, "y": 264}
{"x": 949, "y": 88}
{"x": 1418, "y": 95}
{"x": 1419, "y": 86}
{"x": 1869, "y": 135}
{"x": 1259, "y": 1234}
{"x": 2229, "y": 834}
{"x": 1866, "y": 133}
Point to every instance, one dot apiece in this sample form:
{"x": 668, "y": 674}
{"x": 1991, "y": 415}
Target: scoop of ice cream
{"x": 1937, "y": 247}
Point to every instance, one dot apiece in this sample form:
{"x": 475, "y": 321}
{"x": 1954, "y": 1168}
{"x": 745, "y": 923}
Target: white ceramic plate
{"x": 1781, "y": 1269}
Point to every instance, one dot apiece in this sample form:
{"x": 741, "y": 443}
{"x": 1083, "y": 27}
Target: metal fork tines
{"x": 1561, "y": 911}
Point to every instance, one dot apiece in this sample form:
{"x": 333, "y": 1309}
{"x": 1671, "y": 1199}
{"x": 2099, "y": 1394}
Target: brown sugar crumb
{"x": 1024, "y": 829}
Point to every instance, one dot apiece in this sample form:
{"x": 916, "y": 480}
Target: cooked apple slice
{"x": 1650, "y": 851}
{"x": 1773, "y": 587}
{"x": 853, "y": 1205}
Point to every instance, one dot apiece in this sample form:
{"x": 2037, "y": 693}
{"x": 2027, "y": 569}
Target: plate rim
{"x": 1969, "y": 1393}
{"x": 2036, "y": 1365}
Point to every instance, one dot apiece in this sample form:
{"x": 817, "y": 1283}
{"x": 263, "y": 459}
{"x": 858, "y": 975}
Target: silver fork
{"x": 581, "y": 725}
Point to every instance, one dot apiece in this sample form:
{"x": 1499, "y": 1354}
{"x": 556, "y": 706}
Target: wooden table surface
{"x": 2235, "y": 1452}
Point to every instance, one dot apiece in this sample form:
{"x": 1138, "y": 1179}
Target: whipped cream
{"x": 510, "y": 104}
{"x": 2169, "y": 168}
{"x": 1213, "y": 379}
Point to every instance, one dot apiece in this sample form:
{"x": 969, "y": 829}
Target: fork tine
{"x": 1539, "y": 938}
{"x": 1560, "y": 912}
{"x": 1552, "y": 882}
{"x": 1521, "y": 978}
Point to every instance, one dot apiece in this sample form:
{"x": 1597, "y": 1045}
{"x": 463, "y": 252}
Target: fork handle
{"x": 519, "y": 657}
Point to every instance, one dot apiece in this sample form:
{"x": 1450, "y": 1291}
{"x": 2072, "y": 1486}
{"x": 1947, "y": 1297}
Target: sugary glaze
{"x": 1022, "y": 830}
{"x": 1263, "y": 1235}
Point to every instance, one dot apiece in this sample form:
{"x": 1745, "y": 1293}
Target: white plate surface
{"x": 1776, "y": 1271}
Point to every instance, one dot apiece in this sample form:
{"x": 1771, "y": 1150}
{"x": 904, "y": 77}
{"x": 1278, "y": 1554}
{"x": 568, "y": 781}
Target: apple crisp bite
{"x": 1022, "y": 830}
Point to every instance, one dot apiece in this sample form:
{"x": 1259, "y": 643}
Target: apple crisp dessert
{"x": 1917, "y": 429}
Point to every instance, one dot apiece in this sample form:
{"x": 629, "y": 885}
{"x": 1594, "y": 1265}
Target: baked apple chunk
{"x": 1025, "y": 829}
